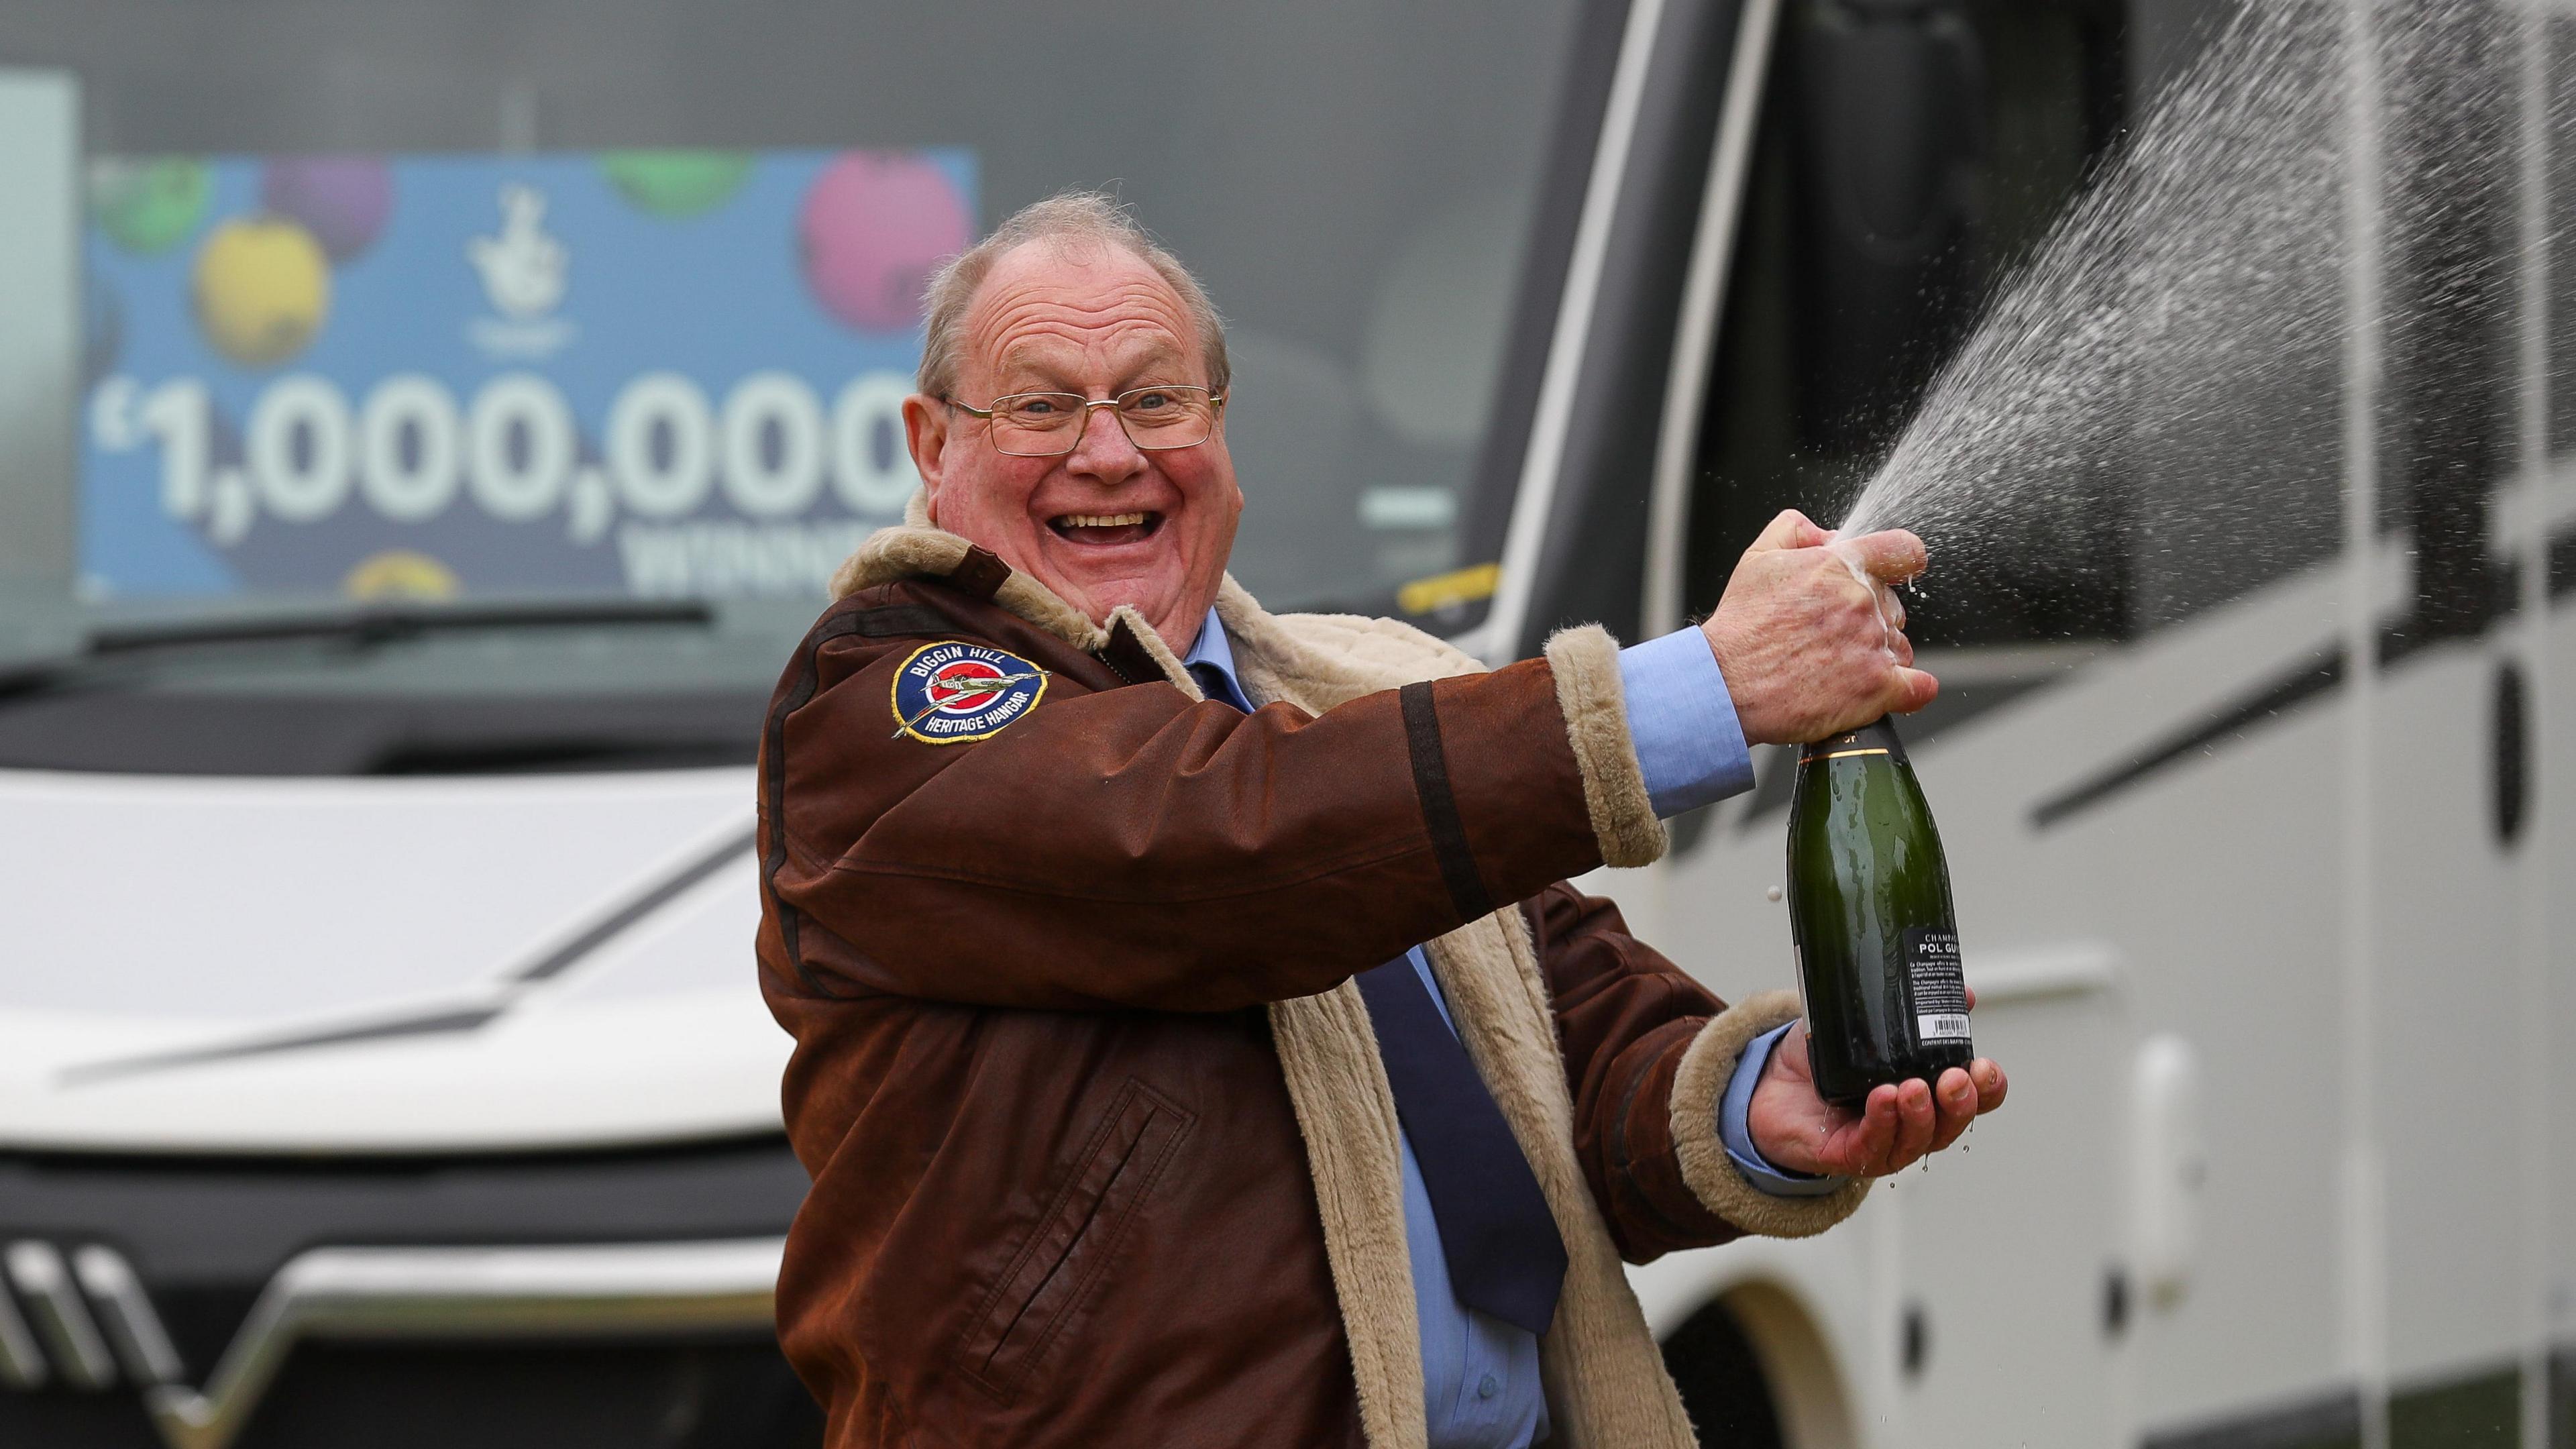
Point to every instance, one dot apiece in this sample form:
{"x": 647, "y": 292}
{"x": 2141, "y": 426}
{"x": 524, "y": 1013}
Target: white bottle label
{"x": 1940, "y": 992}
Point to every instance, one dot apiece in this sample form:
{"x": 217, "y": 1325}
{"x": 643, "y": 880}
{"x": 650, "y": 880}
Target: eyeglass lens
{"x": 1042, "y": 424}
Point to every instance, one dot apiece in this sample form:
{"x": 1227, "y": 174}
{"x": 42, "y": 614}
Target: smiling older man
{"x": 1196, "y": 1040}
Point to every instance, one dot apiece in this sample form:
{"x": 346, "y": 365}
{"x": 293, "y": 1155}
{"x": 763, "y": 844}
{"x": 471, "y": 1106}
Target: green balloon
{"x": 149, "y": 204}
{"x": 677, "y": 183}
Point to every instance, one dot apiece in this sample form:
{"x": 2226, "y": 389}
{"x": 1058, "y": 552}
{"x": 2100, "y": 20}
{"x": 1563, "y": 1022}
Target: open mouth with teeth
{"x": 1105, "y": 529}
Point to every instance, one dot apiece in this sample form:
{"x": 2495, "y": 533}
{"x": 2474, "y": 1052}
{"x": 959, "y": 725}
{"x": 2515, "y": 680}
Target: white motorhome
{"x": 378, "y": 1054}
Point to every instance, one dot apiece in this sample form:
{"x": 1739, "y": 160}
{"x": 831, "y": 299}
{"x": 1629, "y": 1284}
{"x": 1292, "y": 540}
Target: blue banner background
{"x": 714, "y": 297}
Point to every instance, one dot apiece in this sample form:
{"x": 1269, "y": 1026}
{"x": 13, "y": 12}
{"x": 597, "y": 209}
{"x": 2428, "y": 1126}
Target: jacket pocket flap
{"x": 1056, "y": 1269}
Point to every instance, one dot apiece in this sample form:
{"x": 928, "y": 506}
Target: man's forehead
{"x": 1048, "y": 304}
{"x": 1120, "y": 348}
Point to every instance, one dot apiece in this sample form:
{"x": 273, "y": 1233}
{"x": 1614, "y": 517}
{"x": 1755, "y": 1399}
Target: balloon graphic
{"x": 400, "y": 573}
{"x": 148, "y": 204}
{"x": 102, "y": 330}
{"x": 263, "y": 289}
{"x": 874, "y": 227}
{"x": 677, "y": 184}
{"x": 343, "y": 200}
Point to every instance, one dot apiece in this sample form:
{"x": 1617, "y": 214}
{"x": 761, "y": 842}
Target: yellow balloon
{"x": 399, "y": 573}
{"x": 263, "y": 289}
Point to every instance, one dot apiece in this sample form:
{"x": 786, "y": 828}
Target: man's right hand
{"x": 1807, "y": 649}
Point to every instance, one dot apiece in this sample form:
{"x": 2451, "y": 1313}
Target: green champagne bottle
{"x": 1869, "y": 906}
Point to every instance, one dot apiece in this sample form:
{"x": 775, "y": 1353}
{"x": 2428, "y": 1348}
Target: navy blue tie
{"x": 1505, "y": 1257}
{"x": 1218, "y": 685}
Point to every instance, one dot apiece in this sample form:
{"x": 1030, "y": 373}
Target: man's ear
{"x": 925, "y": 433}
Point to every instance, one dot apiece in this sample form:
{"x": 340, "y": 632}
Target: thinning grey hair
{"x": 1068, "y": 217}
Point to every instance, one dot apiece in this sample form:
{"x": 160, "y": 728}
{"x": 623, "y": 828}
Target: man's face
{"x": 1108, "y": 523}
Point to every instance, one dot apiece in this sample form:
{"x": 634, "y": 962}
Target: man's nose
{"x": 1104, "y": 452}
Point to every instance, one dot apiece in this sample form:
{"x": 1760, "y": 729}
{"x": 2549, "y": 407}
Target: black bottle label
{"x": 1940, "y": 992}
{"x": 1878, "y": 737}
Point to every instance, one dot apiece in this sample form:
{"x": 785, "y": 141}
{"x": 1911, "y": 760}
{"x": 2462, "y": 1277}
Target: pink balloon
{"x": 874, "y": 227}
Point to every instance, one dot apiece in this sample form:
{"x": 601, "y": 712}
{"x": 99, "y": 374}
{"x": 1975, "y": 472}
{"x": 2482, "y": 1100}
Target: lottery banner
{"x": 646, "y": 373}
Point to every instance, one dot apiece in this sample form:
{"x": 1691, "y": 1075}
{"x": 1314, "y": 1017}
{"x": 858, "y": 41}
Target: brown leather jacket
{"x": 1061, "y": 1195}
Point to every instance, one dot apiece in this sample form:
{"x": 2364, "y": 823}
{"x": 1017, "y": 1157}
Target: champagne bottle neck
{"x": 1878, "y": 737}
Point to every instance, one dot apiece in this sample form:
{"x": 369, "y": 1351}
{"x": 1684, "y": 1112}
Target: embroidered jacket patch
{"x": 949, "y": 693}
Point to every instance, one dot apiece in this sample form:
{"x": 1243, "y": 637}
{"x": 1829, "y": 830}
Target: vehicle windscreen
{"x": 387, "y": 307}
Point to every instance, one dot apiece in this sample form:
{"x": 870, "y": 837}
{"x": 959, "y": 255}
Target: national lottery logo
{"x": 950, "y": 693}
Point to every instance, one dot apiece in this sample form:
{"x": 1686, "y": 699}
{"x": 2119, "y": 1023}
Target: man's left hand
{"x": 1899, "y": 1125}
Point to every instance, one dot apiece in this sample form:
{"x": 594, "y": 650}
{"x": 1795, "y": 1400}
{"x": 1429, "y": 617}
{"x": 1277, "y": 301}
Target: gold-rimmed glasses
{"x": 1051, "y": 424}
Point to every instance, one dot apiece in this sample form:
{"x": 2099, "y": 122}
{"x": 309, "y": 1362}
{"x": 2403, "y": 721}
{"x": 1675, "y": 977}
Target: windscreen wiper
{"x": 357, "y": 629}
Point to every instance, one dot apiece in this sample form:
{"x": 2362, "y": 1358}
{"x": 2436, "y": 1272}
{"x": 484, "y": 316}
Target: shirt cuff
{"x": 1690, "y": 746}
{"x": 1734, "y": 1131}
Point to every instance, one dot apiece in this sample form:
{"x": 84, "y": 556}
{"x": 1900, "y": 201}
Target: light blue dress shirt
{"x": 1480, "y": 1376}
